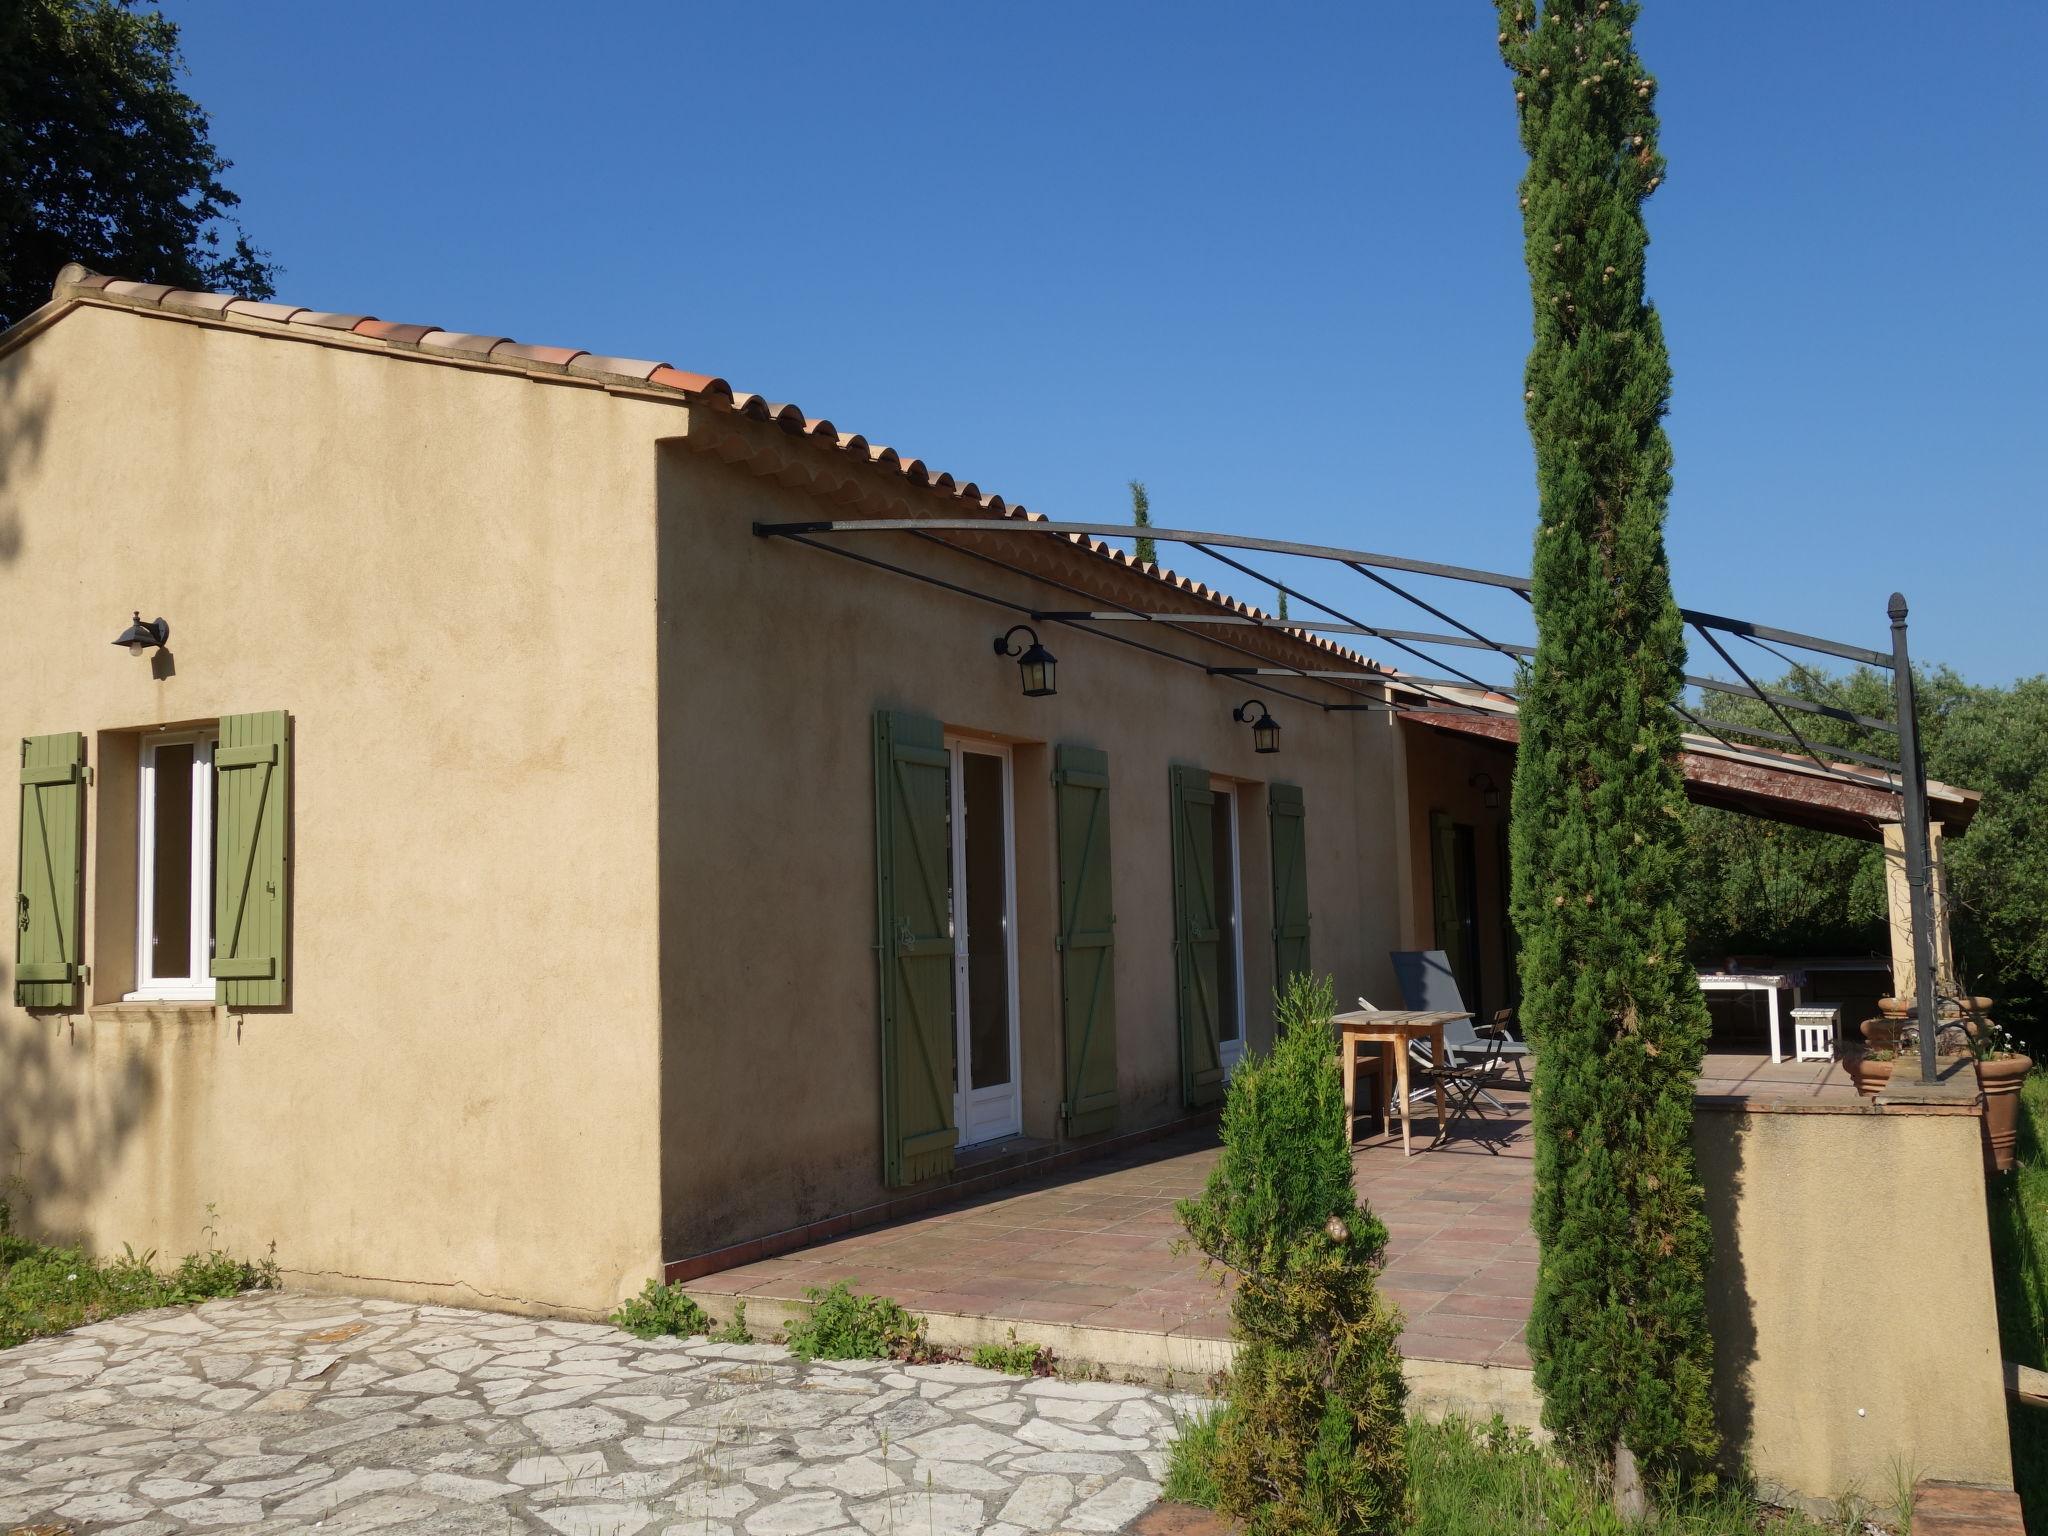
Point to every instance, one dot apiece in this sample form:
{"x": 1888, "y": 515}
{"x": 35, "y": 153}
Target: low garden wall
{"x": 1855, "y": 1329}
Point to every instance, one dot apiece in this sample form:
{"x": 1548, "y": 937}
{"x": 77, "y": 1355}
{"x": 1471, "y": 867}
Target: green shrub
{"x": 1311, "y": 1440}
{"x": 1014, "y": 1358}
{"x": 661, "y": 1310}
{"x": 45, "y": 1290}
{"x": 843, "y": 1326}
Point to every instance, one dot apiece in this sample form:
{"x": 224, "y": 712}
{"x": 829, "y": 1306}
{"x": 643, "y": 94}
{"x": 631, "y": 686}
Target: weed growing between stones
{"x": 662, "y": 1310}
{"x": 736, "y": 1331}
{"x": 1014, "y": 1358}
{"x": 843, "y": 1326}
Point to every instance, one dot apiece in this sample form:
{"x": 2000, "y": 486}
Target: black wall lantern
{"x": 139, "y": 637}
{"x": 1035, "y": 663}
{"x": 1265, "y": 729}
{"x": 1489, "y": 792}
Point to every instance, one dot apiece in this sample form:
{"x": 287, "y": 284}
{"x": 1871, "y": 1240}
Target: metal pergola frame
{"x": 1373, "y": 688}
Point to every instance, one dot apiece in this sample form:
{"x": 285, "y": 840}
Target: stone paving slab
{"x": 288, "y": 1412}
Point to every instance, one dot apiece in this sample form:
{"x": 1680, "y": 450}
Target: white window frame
{"x": 987, "y": 1114}
{"x": 198, "y": 985}
{"x": 1228, "y": 794}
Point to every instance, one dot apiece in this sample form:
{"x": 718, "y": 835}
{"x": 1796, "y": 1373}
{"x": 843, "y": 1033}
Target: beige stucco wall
{"x": 775, "y": 658}
{"x": 446, "y": 576}
{"x": 1854, "y": 1325}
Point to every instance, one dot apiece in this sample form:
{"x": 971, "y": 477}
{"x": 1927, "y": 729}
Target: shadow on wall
{"x": 22, "y": 426}
{"x": 1719, "y": 1142}
{"x": 63, "y": 1125}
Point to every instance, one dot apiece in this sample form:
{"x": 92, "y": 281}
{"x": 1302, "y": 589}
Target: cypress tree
{"x": 1619, "y": 1329}
{"x": 1141, "y": 514}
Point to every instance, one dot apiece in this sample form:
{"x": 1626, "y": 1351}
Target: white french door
{"x": 987, "y": 1103}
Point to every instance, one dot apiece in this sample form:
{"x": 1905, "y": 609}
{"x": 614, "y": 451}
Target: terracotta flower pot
{"x": 2000, "y": 1078}
{"x": 1869, "y": 1076}
{"x": 1882, "y": 1034}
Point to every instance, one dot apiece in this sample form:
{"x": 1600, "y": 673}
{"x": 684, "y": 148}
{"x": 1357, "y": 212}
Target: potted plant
{"x": 1870, "y": 1066}
{"x": 2001, "y": 1069}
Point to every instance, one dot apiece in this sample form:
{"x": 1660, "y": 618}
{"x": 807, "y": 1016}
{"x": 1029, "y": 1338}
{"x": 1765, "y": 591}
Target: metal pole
{"x": 1913, "y": 783}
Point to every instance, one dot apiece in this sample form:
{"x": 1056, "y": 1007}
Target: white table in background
{"x": 1770, "y": 983}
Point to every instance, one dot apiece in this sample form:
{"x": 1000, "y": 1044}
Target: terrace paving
{"x": 289, "y": 1412}
{"x": 1092, "y": 1248}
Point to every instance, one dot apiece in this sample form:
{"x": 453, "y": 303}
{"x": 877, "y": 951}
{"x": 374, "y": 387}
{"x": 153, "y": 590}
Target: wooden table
{"x": 1393, "y": 1028}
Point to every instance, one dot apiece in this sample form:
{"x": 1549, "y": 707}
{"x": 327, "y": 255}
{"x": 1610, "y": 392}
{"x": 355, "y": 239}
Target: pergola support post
{"x": 1913, "y": 789}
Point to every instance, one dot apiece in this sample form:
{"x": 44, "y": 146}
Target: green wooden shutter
{"x": 252, "y": 863}
{"x": 1288, "y": 818}
{"x": 1087, "y": 939}
{"x": 1443, "y": 876}
{"x": 49, "y": 887}
{"x": 1198, "y": 938}
{"x": 915, "y": 945}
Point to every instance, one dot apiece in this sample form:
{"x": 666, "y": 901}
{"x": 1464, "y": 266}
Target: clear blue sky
{"x": 1269, "y": 262}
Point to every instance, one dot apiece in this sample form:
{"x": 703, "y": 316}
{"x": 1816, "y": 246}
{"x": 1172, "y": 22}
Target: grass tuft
{"x": 1013, "y": 1358}
{"x": 1190, "y": 1462}
{"x": 1467, "y": 1479}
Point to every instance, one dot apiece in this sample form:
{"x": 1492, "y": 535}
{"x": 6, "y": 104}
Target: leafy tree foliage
{"x": 1761, "y": 888}
{"x": 1141, "y": 514}
{"x": 1619, "y": 1329}
{"x": 1311, "y": 1442}
{"x": 105, "y": 160}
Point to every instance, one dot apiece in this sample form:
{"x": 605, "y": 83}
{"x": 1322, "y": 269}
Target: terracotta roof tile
{"x": 557, "y": 358}
{"x": 460, "y": 343}
{"x": 328, "y": 320}
{"x": 430, "y": 341}
{"x": 187, "y": 302}
{"x": 623, "y": 367}
{"x": 258, "y": 309}
{"x": 690, "y": 383}
{"x": 394, "y": 331}
{"x": 149, "y": 293}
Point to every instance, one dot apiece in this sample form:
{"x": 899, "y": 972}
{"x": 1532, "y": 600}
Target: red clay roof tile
{"x": 625, "y": 367}
{"x": 149, "y": 293}
{"x": 460, "y": 343}
{"x": 557, "y": 358}
{"x": 328, "y": 320}
{"x": 260, "y": 309}
{"x": 394, "y": 331}
{"x": 693, "y": 383}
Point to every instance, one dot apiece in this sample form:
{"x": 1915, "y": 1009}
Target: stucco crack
{"x": 564, "y": 1307}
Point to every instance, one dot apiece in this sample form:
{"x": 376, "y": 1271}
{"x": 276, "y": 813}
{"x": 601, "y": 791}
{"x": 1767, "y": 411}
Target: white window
{"x": 174, "y": 893}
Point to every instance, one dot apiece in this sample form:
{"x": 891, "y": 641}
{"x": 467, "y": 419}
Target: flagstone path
{"x": 287, "y": 1412}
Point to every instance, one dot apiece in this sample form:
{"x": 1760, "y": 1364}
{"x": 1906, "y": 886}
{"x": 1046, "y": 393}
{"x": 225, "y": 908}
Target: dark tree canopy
{"x": 1618, "y": 1331}
{"x": 1758, "y": 888}
{"x": 106, "y": 161}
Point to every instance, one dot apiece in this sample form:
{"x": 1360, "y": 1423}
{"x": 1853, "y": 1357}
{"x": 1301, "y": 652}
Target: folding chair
{"x": 1464, "y": 1086}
